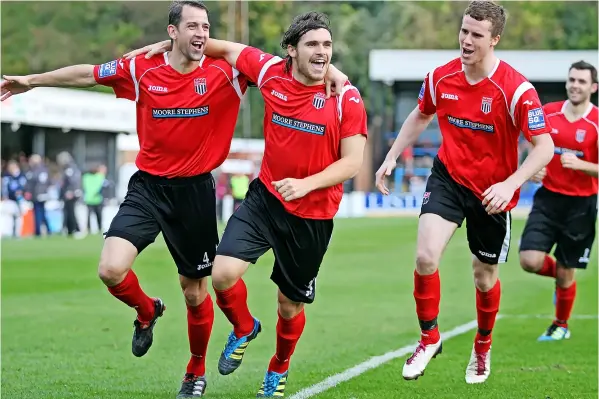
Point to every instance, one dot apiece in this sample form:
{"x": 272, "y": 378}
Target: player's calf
{"x": 200, "y": 318}
{"x": 538, "y": 262}
{"x": 233, "y": 303}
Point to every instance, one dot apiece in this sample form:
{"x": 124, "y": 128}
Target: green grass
{"x": 64, "y": 336}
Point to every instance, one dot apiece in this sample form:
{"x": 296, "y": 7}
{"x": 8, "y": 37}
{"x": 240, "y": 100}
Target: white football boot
{"x": 415, "y": 365}
{"x": 479, "y": 367}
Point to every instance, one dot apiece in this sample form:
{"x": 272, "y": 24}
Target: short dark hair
{"x": 583, "y": 65}
{"x": 299, "y": 26}
{"x": 488, "y": 11}
{"x": 176, "y": 9}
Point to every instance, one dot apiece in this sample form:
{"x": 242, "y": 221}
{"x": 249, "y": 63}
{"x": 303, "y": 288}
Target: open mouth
{"x": 318, "y": 65}
{"x": 467, "y": 52}
{"x": 197, "y": 45}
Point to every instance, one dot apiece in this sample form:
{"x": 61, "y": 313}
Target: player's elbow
{"x": 86, "y": 76}
{"x": 355, "y": 164}
{"x": 544, "y": 146}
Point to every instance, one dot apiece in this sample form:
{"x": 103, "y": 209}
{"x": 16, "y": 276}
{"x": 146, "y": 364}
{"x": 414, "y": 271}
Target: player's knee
{"x": 426, "y": 262}
{"x": 530, "y": 263}
{"x": 194, "y": 290}
{"x": 485, "y": 275}
{"x": 112, "y": 272}
{"x": 288, "y": 308}
{"x": 226, "y": 271}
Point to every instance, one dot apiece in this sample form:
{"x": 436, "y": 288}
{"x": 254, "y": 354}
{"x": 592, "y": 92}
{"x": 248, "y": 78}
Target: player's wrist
{"x": 514, "y": 182}
{"x": 33, "y": 80}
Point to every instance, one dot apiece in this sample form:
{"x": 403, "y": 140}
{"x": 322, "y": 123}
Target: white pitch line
{"x": 377, "y": 361}
{"x": 374, "y": 362}
{"x": 550, "y": 317}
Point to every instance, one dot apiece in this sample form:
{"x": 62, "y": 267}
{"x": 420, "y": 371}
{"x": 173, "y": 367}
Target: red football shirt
{"x": 578, "y": 137}
{"x": 480, "y": 123}
{"x": 302, "y": 130}
{"x": 185, "y": 122}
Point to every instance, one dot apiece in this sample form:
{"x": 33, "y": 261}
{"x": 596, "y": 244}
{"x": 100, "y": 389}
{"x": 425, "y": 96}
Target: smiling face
{"x": 580, "y": 85}
{"x": 312, "y": 55}
{"x": 476, "y": 40}
{"x": 191, "y": 32}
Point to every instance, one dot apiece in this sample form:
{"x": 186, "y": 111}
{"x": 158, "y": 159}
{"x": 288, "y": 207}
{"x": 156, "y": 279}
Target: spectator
{"x": 70, "y": 190}
{"x": 13, "y": 187}
{"x": 94, "y": 189}
{"x": 36, "y": 191}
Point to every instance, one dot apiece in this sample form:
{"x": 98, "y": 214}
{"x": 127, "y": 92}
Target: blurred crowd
{"x": 31, "y": 183}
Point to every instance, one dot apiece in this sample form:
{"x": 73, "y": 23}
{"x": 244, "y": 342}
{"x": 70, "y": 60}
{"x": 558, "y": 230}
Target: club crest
{"x": 318, "y": 101}
{"x": 200, "y": 86}
{"x": 485, "y": 106}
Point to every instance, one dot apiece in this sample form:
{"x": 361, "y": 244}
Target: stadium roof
{"x": 413, "y": 65}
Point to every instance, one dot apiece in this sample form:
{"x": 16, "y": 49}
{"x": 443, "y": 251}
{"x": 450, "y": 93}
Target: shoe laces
{"x": 271, "y": 382}
{"x": 481, "y": 363}
{"x": 419, "y": 349}
{"x": 231, "y": 344}
{"x": 192, "y": 384}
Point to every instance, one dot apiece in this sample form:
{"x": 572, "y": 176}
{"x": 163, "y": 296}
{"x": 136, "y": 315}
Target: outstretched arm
{"x": 71, "y": 76}
{"x": 230, "y": 51}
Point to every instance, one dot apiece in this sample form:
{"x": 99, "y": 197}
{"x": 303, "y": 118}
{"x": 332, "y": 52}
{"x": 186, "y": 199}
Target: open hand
{"x": 150, "y": 50}
{"x": 14, "y": 85}
{"x": 384, "y": 171}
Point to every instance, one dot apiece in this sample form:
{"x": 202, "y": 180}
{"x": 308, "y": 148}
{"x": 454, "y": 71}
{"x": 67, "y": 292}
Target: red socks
{"x": 549, "y": 267}
{"x": 487, "y": 306}
{"x": 199, "y": 326}
{"x": 130, "y": 293}
{"x": 564, "y": 304}
{"x": 289, "y": 332}
{"x": 427, "y": 293}
{"x": 233, "y": 303}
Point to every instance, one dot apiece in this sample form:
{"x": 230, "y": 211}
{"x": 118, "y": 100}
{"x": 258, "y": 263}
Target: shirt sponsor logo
{"x": 160, "y": 89}
{"x": 107, "y": 69}
{"x": 279, "y": 95}
{"x": 449, "y": 96}
{"x": 536, "y": 119}
{"x": 467, "y": 124}
{"x": 180, "y": 112}
{"x": 297, "y": 124}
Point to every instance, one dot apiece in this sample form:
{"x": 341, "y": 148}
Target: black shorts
{"x": 564, "y": 220}
{"x": 261, "y": 223}
{"x": 183, "y": 209}
{"x": 488, "y": 235}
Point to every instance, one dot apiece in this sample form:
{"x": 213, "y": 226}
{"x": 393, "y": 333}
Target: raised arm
{"x": 229, "y": 51}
